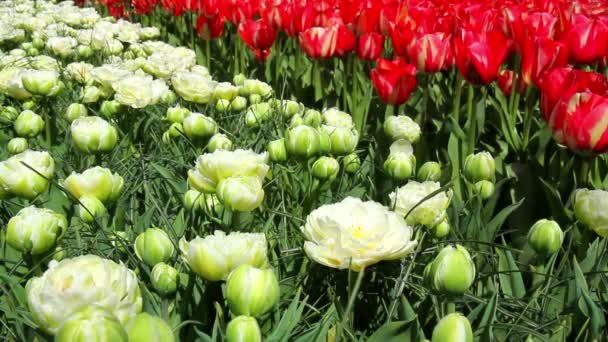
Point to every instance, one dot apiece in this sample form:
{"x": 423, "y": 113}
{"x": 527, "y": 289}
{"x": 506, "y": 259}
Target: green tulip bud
{"x": 38, "y": 43}
{"x": 257, "y": 113}
{"x": 32, "y": 51}
{"x": 191, "y": 199}
{"x": 296, "y": 120}
{"x": 59, "y": 254}
{"x": 222, "y": 105}
{"x": 219, "y": 142}
{"x": 290, "y": 108}
{"x": 312, "y": 118}
{"x": 453, "y": 328}
{"x": 400, "y": 166}
{"x": 343, "y": 140}
{"x": 90, "y": 94}
{"x": 175, "y": 130}
{"x": 28, "y": 124}
{"x": 209, "y": 203}
{"x": 255, "y": 98}
{"x": 484, "y": 189}
{"x": 145, "y": 327}
{"x": 351, "y": 163}
{"x": 166, "y": 138}
{"x": 249, "y": 87}
{"x": 41, "y": 82}
{"x": 18, "y": 180}
{"x": 84, "y": 51}
{"x": 35, "y": 230}
{"x": 92, "y": 134}
{"x": 225, "y": 91}
{"x": 240, "y": 193}
{"x": 75, "y": 111}
{"x": 154, "y": 246}
{"x": 324, "y": 142}
{"x": 164, "y": 278}
{"x": 429, "y": 171}
{"x": 325, "y": 168}
{"x": 91, "y": 324}
{"x": 252, "y": 291}
{"x": 591, "y": 209}
{"x": 96, "y": 181}
{"x": 302, "y": 141}
{"x": 17, "y": 145}
{"x": 239, "y": 79}
{"x": 28, "y": 105}
{"x": 168, "y": 97}
{"x": 479, "y": 166}
{"x": 277, "y": 150}
{"x": 453, "y": 271}
{"x": 197, "y": 126}
{"x": 545, "y": 237}
{"x": 238, "y": 104}
{"x": 177, "y": 114}
{"x": 243, "y": 329}
{"x": 90, "y": 207}
{"x": 109, "y": 108}
{"x": 8, "y": 113}
{"x": 337, "y": 118}
{"x": 442, "y": 229}
{"x": 402, "y": 127}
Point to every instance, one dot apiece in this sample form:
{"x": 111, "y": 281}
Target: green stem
{"x": 352, "y": 296}
{"x": 48, "y": 129}
{"x": 357, "y": 112}
{"x": 528, "y": 115}
{"x": 164, "y": 307}
{"x": 451, "y": 307}
{"x": 208, "y": 53}
{"x": 472, "y": 117}
{"x": 457, "y": 96}
{"x": 582, "y": 176}
{"x": 425, "y": 102}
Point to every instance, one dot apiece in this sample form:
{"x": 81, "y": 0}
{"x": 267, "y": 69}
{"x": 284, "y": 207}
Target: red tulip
{"x": 387, "y": 16}
{"x": 210, "y": 8}
{"x": 402, "y": 34}
{"x": 432, "y": 52}
{"x": 540, "y": 55}
{"x": 209, "y": 28}
{"x": 480, "y": 54}
{"x": 236, "y": 11}
{"x": 319, "y": 42}
{"x": 345, "y": 42}
{"x": 367, "y": 20}
{"x": 394, "y": 80}
{"x": 370, "y": 46}
{"x": 587, "y": 39}
{"x": 258, "y": 35}
{"x": 505, "y": 82}
{"x": 144, "y": 6}
{"x": 280, "y": 15}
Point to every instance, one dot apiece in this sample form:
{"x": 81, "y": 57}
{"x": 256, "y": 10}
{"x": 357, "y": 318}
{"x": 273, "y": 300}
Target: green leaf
{"x": 488, "y": 318}
{"x": 392, "y": 332}
{"x": 511, "y": 281}
{"x": 291, "y": 317}
{"x": 168, "y": 176}
{"x": 489, "y": 233}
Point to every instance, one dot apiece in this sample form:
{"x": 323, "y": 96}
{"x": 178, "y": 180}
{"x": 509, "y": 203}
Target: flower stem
{"x": 582, "y": 175}
{"x": 472, "y": 115}
{"x": 451, "y": 307}
{"x": 352, "y": 296}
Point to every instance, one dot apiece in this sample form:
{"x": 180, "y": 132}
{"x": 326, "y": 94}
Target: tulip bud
{"x": 296, "y": 120}
{"x": 484, "y": 189}
{"x": 453, "y": 271}
{"x": 255, "y": 98}
{"x": 75, "y": 111}
{"x": 222, "y": 105}
{"x": 255, "y": 87}
{"x": 324, "y": 142}
{"x": 35, "y": 230}
{"x": 343, "y": 140}
{"x": 92, "y": 323}
{"x": 302, "y": 141}
{"x": 92, "y": 134}
{"x": 453, "y": 328}
{"x": 41, "y": 82}
{"x": 337, "y": 118}
{"x": 479, "y": 166}
{"x": 175, "y": 130}
{"x": 166, "y": 138}
{"x": 97, "y": 181}
{"x": 243, "y": 329}
{"x": 257, "y": 113}
{"x": 8, "y": 113}
{"x": 325, "y": 168}
{"x": 32, "y": 51}
{"x": 177, "y": 114}
{"x": 84, "y": 51}
{"x": 145, "y": 327}
{"x": 168, "y": 97}
{"x": 252, "y": 291}
{"x": 219, "y": 142}
{"x": 400, "y": 166}
{"x": 442, "y": 229}
{"x": 238, "y": 104}
{"x": 225, "y": 91}
{"x": 59, "y": 254}
{"x": 18, "y": 180}
{"x": 110, "y": 108}
{"x": 591, "y": 209}
{"x": 240, "y": 193}
{"x": 154, "y": 246}
{"x": 164, "y": 278}
{"x": 312, "y": 118}
{"x": 545, "y": 237}
{"x": 351, "y": 163}
{"x": 90, "y": 207}
{"x": 402, "y": 127}
{"x": 290, "y": 108}
{"x": 277, "y": 150}
{"x": 28, "y": 105}
{"x": 197, "y": 126}
{"x": 239, "y": 79}
{"x": 429, "y": 171}
{"x": 28, "y": 124}
{"x": 17, "y": 145}
{"x": 38, "y": 43}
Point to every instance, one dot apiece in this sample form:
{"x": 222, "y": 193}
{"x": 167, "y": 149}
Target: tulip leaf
{"x": 320, "y": 332}
{"x": 177, "y": 186}
{"x": 291, "y": 317}
{"x": 488, "y": 317}
{"x": 394, "y": 331}
{"x": 511, "y": 281}
{"x": 489, "y": 232}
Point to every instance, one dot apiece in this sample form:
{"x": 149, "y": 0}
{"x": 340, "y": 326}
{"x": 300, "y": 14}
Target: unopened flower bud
{"x": 257, "y": 113}
{"x": 17, "y": 179}
{"x": 28, "y": 105}
{"x": 28, "y": 124}
{"x": 429, "y": 171}
{"x": 591, "y": 209}
{"x": 255, "y": 98}
{"x": 91, "y": 94}
{"x": 453, "y": 328}
{"x": 35, "y": 230}
{"x": 17, "y": 145}
{"x": 175, "y": 130}
{"x": 75, "y": 111}
{"x": 337, "y": 118}
{"x": 252, "y": 291}
{"x": 312, "y": 118}
{"x": 545, "y": 237}
{"x": 302, "y": 141}
{"x": 96, "y": 181}
{"x": 453, "y": 271}
{"x": 177, "y": 114}
{"x": 8, "y": 113}
{"x": 325, "y": 168}
{"x": 324, "y": 142}
{"x": 343, "y": 140}
{"x": 109, "y": 108}
{"x": 238, "y": 104}
{"x": 222, "y": 105}
{"x": 442, "y": 229}
{"x": 239, "y": 79}
{"x": 219, "y": 142}
{"x": 92, "y": 323}
{"x": 400, "y": 166}
{"x": 154, "y": 246}
{"x": 479, "y": 166}
{"x": 290, "y": 108}
{"x": 243, "y": 329}
{"x": 198, "y": 126}
{"x": 484, "y": 189}
{"x": 59, "y": 254}
{"x": 164, "y": 278}
{"x": 277, "y": 150}
{"x": 84, "y": 51}
{"x": 92, "y": 134}
{"x": 168, "y": 97}
{"x": 41, "y": 82}
{"x": 351, "y": 163}
{"x": 296, "y": 120}
{"x": 402, "y": 127}
{"x": 38, "y": 43}
{"x": 241, "y": 193}
{"x": 89, "y": 208}
{"x": 225, "y": 91}
{"x": 145, "y": 327}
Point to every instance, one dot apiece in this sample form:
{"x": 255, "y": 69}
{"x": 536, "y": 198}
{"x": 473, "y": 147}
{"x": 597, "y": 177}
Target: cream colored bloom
{"x": 97, "y": 181}
{"x": 62, "y": 46}
{"x": 138, "y": 91}
{"x": 337, "y": 118}
{"x": 108, "y": 74}
{"x": 591, "y": 208}
{"x": 402, "y": 127}
{"x": 16, "y": 179}
{"x": 11, "y": 84}
{"x": 79, "y": 72}
{"x": 428, "y": 213}
{"x": 215, "y": 256}
{"x": 92, "y": 134}
{"x": 355, "y": 234}
{"x": 35, "y": 230}
{"x": 71, "y": 284}
{"x": 193, "y": 87}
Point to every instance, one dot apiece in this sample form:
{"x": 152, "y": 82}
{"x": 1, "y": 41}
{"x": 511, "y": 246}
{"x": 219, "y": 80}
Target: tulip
{"x": 370, "y": 46}
{"x": 168, "y": 97}
{"x": 342, "y": 140}
{"x": 258, "y": 35}
{"x": 302, "y": 141}
{"x": 110, "y": 108}
{"x": 587, "y": 38}
{"x": 277, "y": 150}
{"x": 75, "y": 111}
{"x": 540, "y": 55}
{"x": 255, "y": 87}
{"x": 258, "y": 113}
{"x": 8, "y": 113}
{"x": 255, "y": 99}
{"x": 319, "y": 42}
{"x": 545, "y": 237}
{"x": 145, "y": 327}
{"x": 225, "y": 91}
{"x": 394, "y": 80}
{"x": 402, "y": 33}
{"x": 41, "y": 82}
{"x": 432, "y": 52}
{"x": 479, "y": 166}
{"x": 153, "y": 246}
{"x": 209, "y": 28}
{"x": 400, "y": 166}
{"x": 325, "y": 168}
{"x": 239, "y": 79}
{"x": 90, "y": 94}
{"x": 28, "y": 124}
{"x": 312, "y": 118}
{"x": 238, "y": 104}
{"x": 219, "y": 141}
{"x": 164, "y": 278}
{"x": 429, "y": 171}
{"x": 198, "y": 126}
{"x": 90, "y": 207}
{"x": 453, "y": 271}
{"x": 84, "y": 51}
{"x": 240, "y": 193}
{"x": 453, "y": 328}
{"x": 484, "y": 189}
{"x": 35, "y": 230}
{"x": 193, "y": 86}
{"x": 325, "y": 140}
{"x": 17, "y": 145}
{"x": 345, "y": 41}
{"x": 337, "y": 118}
{"x": 408, "y": 200}
{"x": 92, "y": 323}
{"x": 591, "y": 209}
{"x": 480, "y": 54}
{"x": 441, "y": 230}
{"x": 289, "y": 108}
{"x": 176, "y": 114}
{"x": 18, "y": 180}
{"x": 208, "y": 203}
{"x": 92, "y": 134}
{"x": 243, "y": 329}
{"x": 351, "y": 163}
{"x": 505, "y": 82}
{"x": 402, "y": 127}
{"x": 252, "y": 291}
{"x": 97, "y": 181}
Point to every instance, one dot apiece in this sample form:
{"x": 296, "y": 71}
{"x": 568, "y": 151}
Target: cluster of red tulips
{"x": 519, "y": 44}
